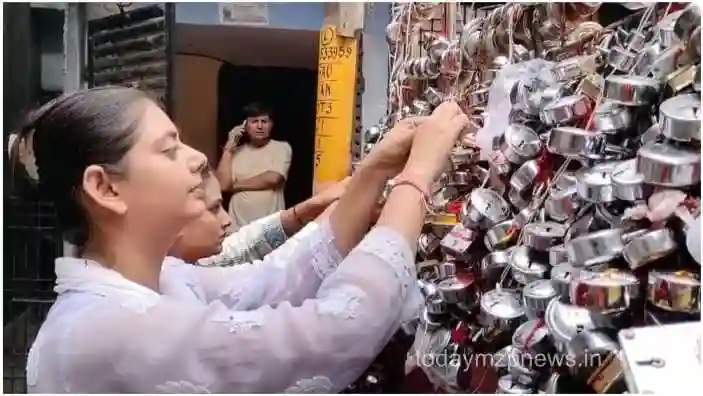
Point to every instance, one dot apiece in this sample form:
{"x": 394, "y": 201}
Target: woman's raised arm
{"x": 294, "y": 271}
{"x": 256, "y": 240}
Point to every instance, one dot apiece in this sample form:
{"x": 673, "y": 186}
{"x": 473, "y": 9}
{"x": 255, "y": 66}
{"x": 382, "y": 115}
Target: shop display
{"x": 570, "y": 217}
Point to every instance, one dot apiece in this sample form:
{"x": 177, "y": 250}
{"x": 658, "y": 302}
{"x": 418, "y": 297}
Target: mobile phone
{"x": 245, "y": 136}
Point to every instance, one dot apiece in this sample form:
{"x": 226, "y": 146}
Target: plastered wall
{"x": 195, "y": 102}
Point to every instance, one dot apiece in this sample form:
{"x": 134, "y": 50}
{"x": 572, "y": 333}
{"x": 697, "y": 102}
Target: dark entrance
{"x": 290, "y": 92}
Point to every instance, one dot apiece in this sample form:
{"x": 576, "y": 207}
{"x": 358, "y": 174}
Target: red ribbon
{"x": 531, "y": 334}
{"x": 465, "y": 276}
{"x": 629, "y": 91}
{"x": 454, "y": 207}
{"x": 460, "y": 333}
{"x": 545, "y": 167}
{"x": 581, "y": 294}
{"x": 676, "y": 7}
{"x": 661, "y": 292}
{"x": 587, "y": 119}
{"x": 513, "y": 228}
{"x": 665, "y": 173}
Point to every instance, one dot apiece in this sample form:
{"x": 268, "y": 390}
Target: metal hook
{"x": 123, "y": 6}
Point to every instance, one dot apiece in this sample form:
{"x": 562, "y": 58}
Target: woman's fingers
{"x": 447, "y": 110}
{"x": 413, "y": 122}
{"x": 450, "y": 129}
{"x": 417, "y": 120}
{"x": 458, "y": 124}
{"x": 451, "y": 119}
{"x": 443, "y": 128}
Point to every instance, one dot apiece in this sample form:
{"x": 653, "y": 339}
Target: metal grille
{"x": 31, "y": 237}
{"x": 133, "y": 48}
{"x": 18, "y": 337}
{"x": 32, "y": 242}
{"x": 358, "y": 103}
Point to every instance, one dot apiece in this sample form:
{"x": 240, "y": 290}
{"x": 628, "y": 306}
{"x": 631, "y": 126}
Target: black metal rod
{"x": 170, "y": 51}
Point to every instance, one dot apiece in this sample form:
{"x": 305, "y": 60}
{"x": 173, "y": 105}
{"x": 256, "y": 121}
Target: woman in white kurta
{"x": 124, "y": 322}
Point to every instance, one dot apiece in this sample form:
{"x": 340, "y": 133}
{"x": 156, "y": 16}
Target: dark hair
{"x": 70, "y": 133}
{"x": 257, "y": 110}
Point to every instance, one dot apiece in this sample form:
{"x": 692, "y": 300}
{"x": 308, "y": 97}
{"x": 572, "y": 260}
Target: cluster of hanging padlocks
{"x": 563, "y": 247}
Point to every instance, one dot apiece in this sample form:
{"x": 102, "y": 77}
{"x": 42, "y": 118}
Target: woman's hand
{"x": 293, "y": 219}
{"x": 390, "y": 154}
{"x": 328, "y": 196}
{"x": 433, "y": 143}
{"x": 404, "y": 210}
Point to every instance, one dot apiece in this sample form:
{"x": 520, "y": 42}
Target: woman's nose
{"x": 197, "y": 161}
{"x": 226, "y": 220}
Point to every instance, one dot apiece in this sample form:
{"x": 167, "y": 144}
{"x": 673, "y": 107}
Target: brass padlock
{"x": 681, "y": 78}
{"x": 608, "y": 377}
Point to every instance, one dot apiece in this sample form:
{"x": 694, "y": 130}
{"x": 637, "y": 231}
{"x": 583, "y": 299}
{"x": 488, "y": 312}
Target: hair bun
{"x": 24, "y": 171}
{"x": 11, "y": 141}
{"x": 21, "y": 186}
{"x": 22, "y": 155}
{"x": 27, "y": 159}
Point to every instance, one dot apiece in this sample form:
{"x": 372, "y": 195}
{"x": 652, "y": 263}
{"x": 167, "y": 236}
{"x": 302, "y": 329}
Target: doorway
{"x": 290, "y": 92}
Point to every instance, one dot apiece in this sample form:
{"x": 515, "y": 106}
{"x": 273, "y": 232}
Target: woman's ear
{"x": 101, "y": 189}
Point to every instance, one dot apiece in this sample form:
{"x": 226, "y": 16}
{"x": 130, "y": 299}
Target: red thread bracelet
{"x": 296, "y": 217}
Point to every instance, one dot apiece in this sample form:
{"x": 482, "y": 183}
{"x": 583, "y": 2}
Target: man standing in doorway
{"x": 254, "y": 168}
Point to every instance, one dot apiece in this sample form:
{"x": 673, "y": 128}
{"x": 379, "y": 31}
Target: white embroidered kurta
{"x": 295, "y": 322}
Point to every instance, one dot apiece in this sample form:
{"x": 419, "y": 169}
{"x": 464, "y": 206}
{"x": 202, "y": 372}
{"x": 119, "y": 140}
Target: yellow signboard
{"x": 336, "y": 93}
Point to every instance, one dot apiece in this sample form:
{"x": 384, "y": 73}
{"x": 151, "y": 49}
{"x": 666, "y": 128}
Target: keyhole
{"x": 653, "y": 362}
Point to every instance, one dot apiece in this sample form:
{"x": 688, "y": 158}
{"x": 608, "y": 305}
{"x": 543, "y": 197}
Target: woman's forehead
{"x": 212, "y": 189}
{"x": 154, "y": 124}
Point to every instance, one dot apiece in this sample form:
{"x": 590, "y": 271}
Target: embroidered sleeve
{"x": 392, "y": 248}
{"x": 292, "y": 273}
{"x": 318, "y": 346}
{"x": 251, "y": 242}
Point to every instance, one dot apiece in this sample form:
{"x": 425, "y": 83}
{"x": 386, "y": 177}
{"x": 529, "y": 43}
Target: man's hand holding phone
{"x": 235, "y": 135}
